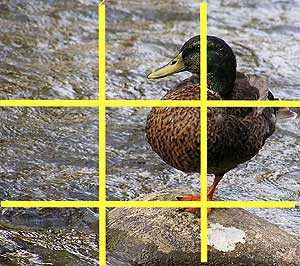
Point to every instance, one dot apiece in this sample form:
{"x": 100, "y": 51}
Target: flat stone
{"x": 166, "y": 237}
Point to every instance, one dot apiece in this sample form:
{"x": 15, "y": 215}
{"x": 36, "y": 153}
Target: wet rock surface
{"x": 159, "y": 237}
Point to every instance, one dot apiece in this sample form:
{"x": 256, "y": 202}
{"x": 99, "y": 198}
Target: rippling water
{"x": 48, "y": 50}
{"x": 48, "y": 154}
{"x": 50, "y": 237}
{"x": 141, "y": 36}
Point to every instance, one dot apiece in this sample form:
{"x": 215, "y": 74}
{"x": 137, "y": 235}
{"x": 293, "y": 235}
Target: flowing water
{"x": 143, "y": 35}
{"x": 48, "y": 50}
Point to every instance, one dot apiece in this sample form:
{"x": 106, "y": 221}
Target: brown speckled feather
{"x": 235, "y": 135}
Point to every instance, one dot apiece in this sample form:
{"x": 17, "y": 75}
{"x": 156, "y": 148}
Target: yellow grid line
{"x": 102, "y": 103}
{"x": 199, "y": 204}
{"x": 50, "y": 103}
{"x": 252, "y": 204}
{"x": 48, "y": 204}
{"x": 147, "y": 103}
{"x": 102, "y": 137}
{"x": 203, "y": 130}
{"x": 257, "y": 103}
{"x": 152, "y": 103}
{"x": 145, "y": 204}
{"x": 196, "y": 103}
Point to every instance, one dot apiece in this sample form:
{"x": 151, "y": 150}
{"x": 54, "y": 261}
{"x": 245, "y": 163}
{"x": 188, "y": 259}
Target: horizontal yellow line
{"x": 240, "y": 103}
{"x": 50, "y": 204}
{"x": 150, "y": 103}
{"x": 198, "y": 103}
{"x": 51, "y": 103}
{"x": 153, "y": 204}
{"x": 198, "y": 204}
{"x": 148, "y": 204}
{"x": 251, "y": 204}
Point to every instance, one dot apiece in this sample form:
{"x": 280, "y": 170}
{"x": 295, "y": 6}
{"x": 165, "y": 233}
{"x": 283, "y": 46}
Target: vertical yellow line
{"x": 102, "y": 186}
{"x": 204, "y": 183}
{"x": 102, "y": 137}
{"x": 203, "y": 52}
{"x": 203, "y": 119}
{"x": 101, "y": 51}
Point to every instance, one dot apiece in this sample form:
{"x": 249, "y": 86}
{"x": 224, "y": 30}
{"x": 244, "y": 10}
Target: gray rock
{"x": 165, "y": 237}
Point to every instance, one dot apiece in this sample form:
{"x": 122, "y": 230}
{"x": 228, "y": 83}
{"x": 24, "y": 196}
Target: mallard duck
{"x": 234, "y": 135}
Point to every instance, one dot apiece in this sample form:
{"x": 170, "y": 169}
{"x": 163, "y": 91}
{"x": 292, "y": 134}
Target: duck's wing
{"x": 235, "y": 135}
{"x": 233, "y": 140}
{"x": 247, "y": 87}
{"x": 253, "y": 87}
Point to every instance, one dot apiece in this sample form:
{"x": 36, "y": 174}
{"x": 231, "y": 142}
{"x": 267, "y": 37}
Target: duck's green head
{"x": 221, "y": 63}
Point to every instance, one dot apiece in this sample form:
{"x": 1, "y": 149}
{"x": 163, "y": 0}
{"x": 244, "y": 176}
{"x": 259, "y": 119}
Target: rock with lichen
{"x": 166, "y": 237}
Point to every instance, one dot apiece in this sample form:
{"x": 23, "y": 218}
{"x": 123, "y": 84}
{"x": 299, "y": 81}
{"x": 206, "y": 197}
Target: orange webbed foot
{"x": 192, "y": 198}
{"x": 196, "y": 197}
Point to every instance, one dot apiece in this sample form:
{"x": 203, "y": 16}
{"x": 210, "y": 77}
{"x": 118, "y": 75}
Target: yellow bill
{"x": 176, "y": 65}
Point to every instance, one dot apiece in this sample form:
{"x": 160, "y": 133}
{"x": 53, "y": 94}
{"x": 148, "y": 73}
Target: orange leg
{"x": 196, "y": 197}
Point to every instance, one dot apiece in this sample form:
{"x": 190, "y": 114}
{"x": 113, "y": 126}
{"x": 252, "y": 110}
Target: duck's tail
{"x": 282, "y": 114}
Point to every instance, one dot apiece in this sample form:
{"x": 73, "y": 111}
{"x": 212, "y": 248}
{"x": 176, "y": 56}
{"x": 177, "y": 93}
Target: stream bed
{"x": 49, "y": 50}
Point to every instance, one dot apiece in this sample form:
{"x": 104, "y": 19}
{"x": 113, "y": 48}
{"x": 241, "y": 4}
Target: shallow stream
{"x": 48, "y": 50}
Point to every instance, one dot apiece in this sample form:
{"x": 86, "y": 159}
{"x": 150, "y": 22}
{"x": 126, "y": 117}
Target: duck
{"x": 234, "y": 135}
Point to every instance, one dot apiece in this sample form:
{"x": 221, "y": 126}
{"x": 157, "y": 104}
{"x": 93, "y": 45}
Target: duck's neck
{"x": 221, "y": 74}
{"x": 221, "y": 77}
{"x": 222, "y": 86}
{"x": 221, "y": 66}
